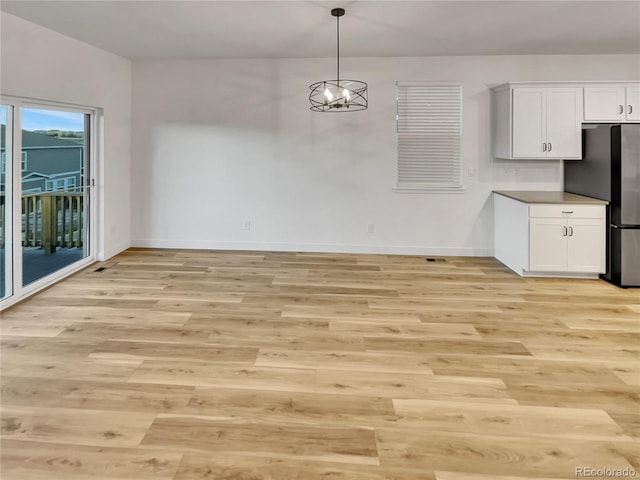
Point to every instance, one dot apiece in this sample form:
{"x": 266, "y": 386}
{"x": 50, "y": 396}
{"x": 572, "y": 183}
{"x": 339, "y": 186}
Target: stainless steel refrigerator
{"x": 610, "y": 170}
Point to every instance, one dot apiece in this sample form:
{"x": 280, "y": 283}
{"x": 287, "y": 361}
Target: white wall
{"x": 218, "y": 143}
{"x": 42, "y": 64}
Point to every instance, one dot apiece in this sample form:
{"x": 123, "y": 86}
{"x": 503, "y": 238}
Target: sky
{"x": 36, "y": 119}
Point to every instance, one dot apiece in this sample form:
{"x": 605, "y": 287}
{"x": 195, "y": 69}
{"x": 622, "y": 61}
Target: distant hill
{"x": 42, "y": 139}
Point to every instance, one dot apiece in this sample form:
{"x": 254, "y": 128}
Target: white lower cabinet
{"x": 586, "y": 245}
{"x": 566, "y": 245}
{"x": 547, "y": 245}
{"x": 550, "y": 239}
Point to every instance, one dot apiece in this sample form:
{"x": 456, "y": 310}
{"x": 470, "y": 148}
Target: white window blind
{"x": 429, "y": 128}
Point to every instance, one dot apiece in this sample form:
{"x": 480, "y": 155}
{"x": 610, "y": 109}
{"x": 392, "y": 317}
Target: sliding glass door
{"x": 54, "y": 167}
{"x": 46, "y": 228}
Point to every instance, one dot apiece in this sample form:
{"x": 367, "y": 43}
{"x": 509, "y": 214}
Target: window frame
{"x": 23, "y": 162}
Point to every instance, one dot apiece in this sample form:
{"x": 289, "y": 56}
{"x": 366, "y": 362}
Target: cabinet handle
{"x": 544, "y": 147}
{"x": 630, "y": 109}
{"x": 549, "y": 149}
{"x": 564, "y": 231}
{"x": 567, "y": 211}
{"x": 621, "y": 109}
{"x": 571, "y": 231}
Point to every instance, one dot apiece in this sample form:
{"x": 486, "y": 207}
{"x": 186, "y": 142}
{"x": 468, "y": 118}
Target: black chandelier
{"x": 338, "y": 95}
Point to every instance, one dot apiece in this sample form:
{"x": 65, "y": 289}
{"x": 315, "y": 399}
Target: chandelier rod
{"x": 338, "y": 50}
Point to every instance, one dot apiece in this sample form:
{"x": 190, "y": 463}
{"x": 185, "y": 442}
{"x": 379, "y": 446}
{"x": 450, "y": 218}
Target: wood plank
{"x": 211, "y": 434}
{"x": 223, "y": 375}
{"x": 93, "y": 394}
{"x": 156, "y": 350}
{"x": 395, "y": 385}
{"x": 494, "y": 455}
{"x": 612, "y": 398}
{"x": 241, "y": 467}
{"x": 576, "y": 423}
{"x": 431, "y": 346}
{"x": 405, "y": 330}
{"x": 342, "y": 360}
{"x": 291, "y": 407}
{"x": 28, "y": 460}
{"x": 480, "y": 476}
{"x": 75, "y": 426}
{"x": 517, "y": 367}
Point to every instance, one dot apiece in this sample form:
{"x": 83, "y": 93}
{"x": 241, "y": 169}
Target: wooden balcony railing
{"x": 49, "y": 220}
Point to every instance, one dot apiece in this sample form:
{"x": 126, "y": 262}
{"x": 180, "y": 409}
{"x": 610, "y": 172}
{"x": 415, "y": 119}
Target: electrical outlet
{"x": 247, "y": 225}
{"x": 370, "y": 228}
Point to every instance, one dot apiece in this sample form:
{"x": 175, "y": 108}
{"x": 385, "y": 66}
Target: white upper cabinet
{"x": 529, "y": 113}
{"x": 537, "y": 122}
{"x": 543, "y": 120}
{"x": 604, "y": 104}
{"x": 612, "y": 103}
{"x": 564, "y": 130}
{"x": 633, "y": 103}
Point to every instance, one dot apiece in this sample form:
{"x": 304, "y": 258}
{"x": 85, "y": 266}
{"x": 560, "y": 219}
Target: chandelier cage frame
{"x": 339, "y": 95}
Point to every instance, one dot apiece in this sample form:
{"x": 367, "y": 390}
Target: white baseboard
{"x": 526, "y": 273}
{"x": 112, "y": 252}
{"x": 313, "y": 247}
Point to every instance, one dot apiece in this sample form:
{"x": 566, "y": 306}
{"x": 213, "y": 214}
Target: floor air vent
{"x": 435, "y": 259}
{"x": 104, "y": 267}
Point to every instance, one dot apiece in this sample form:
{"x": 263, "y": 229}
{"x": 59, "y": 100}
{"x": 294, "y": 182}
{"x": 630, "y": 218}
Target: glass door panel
{"x": 54, "y": 165}
{"x": 6, "y": 218}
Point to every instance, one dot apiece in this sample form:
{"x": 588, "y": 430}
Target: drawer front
{"x": 567, "y": 211}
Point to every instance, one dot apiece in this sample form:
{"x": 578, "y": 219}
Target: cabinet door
{"x": 604, "y": 104}
{"x": 633, "y": 104}
{"x": 547, "y": 245}
{"x": 528, "y": 122}
{"x": 564, "y": 128}
{"x": 586, "y": 246}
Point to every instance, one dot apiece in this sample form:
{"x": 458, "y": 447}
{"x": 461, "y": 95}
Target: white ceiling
{"x": 151, "y": 29}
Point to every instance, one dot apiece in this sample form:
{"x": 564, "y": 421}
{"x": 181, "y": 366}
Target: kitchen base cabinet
{"x": 586, "y": 245}
{"x": 566, "y": 245}
{"x": 547, "y": 245}
{"x": 561, "y": 239}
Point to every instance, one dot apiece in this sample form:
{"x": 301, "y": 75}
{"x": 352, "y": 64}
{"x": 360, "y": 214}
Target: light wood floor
{"x": 278, "y": 366}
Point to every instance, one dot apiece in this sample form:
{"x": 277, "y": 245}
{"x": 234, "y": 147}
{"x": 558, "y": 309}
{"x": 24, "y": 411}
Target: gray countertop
{"x": 534, "y": 196}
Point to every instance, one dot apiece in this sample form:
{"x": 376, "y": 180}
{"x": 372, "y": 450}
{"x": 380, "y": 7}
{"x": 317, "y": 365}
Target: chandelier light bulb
{"x": 328, "y": 94}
